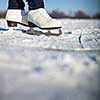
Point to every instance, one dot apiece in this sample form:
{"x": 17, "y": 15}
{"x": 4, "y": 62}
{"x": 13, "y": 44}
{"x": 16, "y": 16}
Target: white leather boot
{"x": 40, "y": 18}
{"x": 15, "y": 16}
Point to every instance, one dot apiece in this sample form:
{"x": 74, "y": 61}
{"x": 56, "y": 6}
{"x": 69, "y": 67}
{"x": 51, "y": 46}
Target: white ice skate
{"x": 15, "y": 16}
{"x": 47, "y": 25}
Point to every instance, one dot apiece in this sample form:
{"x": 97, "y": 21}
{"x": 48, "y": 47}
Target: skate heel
{"x": 11, "y": 23}
{"x": 31, "y": 24}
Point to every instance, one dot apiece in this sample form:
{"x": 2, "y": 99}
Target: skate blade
{"x": 47, "y": 32}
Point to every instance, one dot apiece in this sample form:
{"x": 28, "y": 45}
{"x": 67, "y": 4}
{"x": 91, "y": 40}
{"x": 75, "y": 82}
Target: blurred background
{"x": 65, "y": 8}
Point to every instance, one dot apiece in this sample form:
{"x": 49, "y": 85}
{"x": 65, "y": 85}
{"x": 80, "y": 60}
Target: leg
{"x": 16, "y": 4}
{"x": 15, "y": 12}
{"x": 35, "y": 4}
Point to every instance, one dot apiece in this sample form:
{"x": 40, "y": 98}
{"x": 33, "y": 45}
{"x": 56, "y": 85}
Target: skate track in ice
{"x": 68, "y": 70}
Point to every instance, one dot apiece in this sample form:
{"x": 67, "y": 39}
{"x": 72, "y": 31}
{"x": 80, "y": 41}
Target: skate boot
{"x": 44, "y": 22}
{"x": 16, "y": 16}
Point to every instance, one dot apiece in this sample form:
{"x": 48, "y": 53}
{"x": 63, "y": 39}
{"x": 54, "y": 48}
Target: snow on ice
{"x": 48, "y": 67}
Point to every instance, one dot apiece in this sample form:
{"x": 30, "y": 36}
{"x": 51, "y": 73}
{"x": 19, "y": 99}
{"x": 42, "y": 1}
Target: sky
{"x": 89, "y": 6}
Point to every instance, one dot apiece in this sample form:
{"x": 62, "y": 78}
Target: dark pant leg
{"x": 16, "y": 4}
{"x": 35, "y": 4}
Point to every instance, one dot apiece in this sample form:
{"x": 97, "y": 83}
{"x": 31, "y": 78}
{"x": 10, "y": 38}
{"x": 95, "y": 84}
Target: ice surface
{"x": 51, "y": 68}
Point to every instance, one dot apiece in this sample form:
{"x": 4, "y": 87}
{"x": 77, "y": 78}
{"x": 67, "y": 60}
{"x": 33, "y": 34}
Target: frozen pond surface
{"x": 51, "y": 68}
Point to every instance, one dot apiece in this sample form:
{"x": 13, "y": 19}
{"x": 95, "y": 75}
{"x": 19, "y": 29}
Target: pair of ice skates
{"x": 35, "y": 18}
